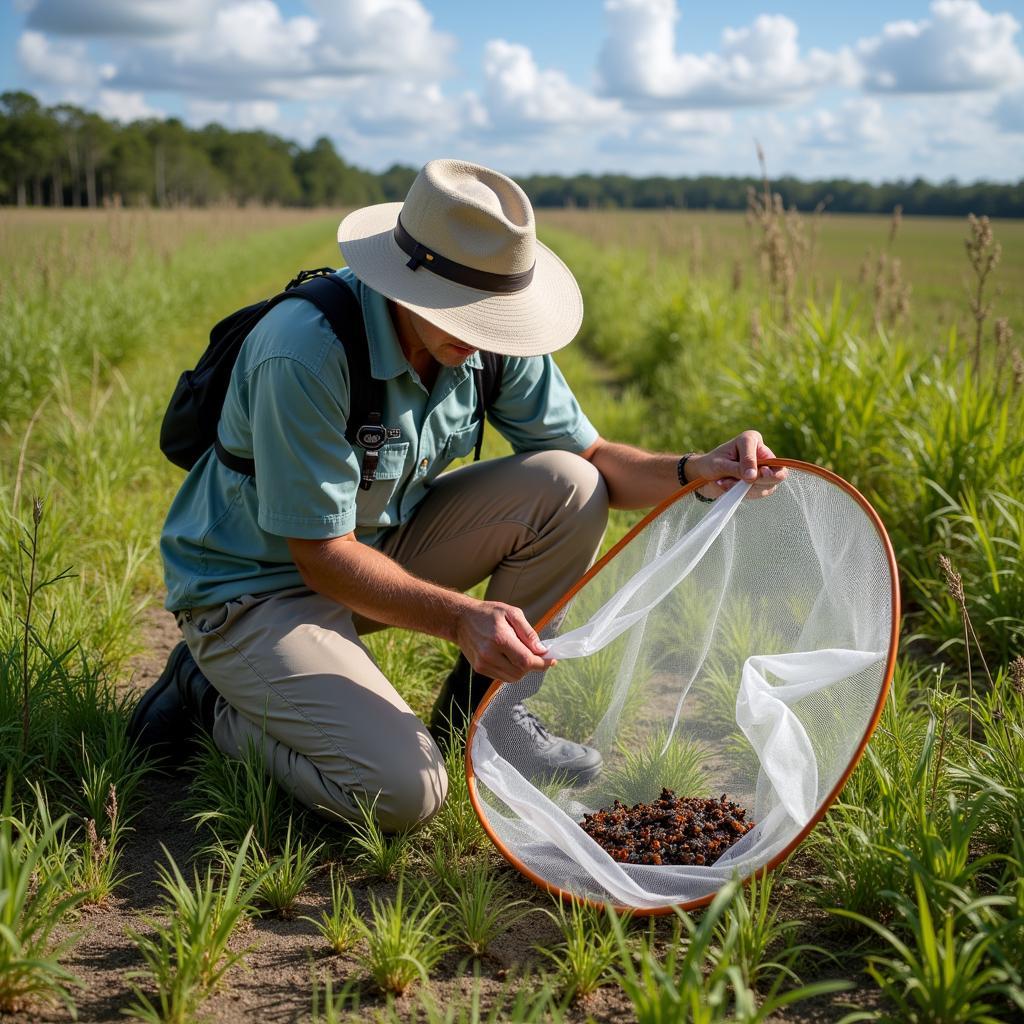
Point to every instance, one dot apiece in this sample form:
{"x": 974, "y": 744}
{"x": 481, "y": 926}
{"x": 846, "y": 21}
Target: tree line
{"x": 64, "y": 155}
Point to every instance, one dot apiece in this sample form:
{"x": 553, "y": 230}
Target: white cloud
{"x": 687, "y": 132}
{"x": 393, "y": 37}
{"x": 519, "y": 96}
{"x": 856, "y": 124}
{"x": 246, "y": 114}
{"x": 757, "y": 65}
{"x": 59, "y": 63}
{"x": 960, "y": 48}
{"x": 251, "y": 50}
{"x": 124, "y": 106}
{"x": 118, "y": 17}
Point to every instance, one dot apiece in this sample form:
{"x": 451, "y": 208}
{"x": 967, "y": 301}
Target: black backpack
{"x": 189, "y": 426}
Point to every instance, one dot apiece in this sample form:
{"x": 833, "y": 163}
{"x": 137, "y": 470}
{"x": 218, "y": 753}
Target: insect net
{"x": 740, "y": 648}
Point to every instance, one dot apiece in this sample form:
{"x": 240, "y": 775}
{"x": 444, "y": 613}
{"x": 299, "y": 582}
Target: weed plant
{"x": 639, "y": 773}
{"x": 339, "y": 926}
{"x": 751, "y": 930}
{"x": 281, "y": 878}
{"x": 943, "y": 973}
{"x": 333, "y": 1007}
{"x": 584, "y": 958}
{"x": 481, "y": 907}
{"x": 403, "y": 942}
{"x": 32, "y": 906}
{"x": 698, "y": 981}
{"x": 187, "y": 955}
{"x": 379, "y": 855}
{"x": 441, "y": 861}
{"x": 97, "y": 873}
{"x": 231, "y": 796}
{"x": 456, "y": 823}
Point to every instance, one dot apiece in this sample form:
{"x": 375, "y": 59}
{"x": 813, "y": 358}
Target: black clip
{"x": 305, "y": 275}
{"x": 372, "y": 437}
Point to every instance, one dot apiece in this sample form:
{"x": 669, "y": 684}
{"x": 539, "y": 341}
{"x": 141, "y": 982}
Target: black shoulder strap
{"x": 341, "y": 309}
{"x": 488, "y": 387}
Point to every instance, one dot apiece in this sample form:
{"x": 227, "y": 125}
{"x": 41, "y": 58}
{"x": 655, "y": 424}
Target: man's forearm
{"x": 376, "y": 587}
{"x": 635, "y": 478}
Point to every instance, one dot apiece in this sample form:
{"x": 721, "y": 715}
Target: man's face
{"x": 444, "y": 347}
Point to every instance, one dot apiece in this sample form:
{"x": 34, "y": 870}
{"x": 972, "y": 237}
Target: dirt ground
{"x": 276, "y": 982}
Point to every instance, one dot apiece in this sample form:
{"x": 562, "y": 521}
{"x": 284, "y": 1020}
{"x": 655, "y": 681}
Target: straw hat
{"x": 462, "y": 252}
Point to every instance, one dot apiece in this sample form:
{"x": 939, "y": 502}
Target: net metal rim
{"x": 890, "y": 667}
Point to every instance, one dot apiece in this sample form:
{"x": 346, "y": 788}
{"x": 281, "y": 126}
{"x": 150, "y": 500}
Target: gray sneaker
{"x": 537, "y": 753}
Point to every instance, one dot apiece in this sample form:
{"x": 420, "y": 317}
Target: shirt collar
{"x": 387, "y": 360}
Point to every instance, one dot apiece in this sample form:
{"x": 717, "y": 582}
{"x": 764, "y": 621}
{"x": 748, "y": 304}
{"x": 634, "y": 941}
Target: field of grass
{"x": 207, "y": 895}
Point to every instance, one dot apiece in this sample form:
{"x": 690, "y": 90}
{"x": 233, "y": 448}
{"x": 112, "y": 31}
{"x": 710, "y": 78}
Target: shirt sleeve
{"x": 307, "y": 474}
{"x": 536, "y": 409}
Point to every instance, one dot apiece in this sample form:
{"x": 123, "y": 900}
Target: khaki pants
{"x": 294, "y": 677}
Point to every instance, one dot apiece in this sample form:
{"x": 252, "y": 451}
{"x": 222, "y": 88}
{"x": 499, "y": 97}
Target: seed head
{"x": 1003, "y": 332}
{"x": 97, "y": 846}
{"x": 37, "y": 510}
{"x": 1017, "y": 361}
{"x": 1016, "y": 670}
{"x": 954, "y": 581}
{"x": 110, "y": 807}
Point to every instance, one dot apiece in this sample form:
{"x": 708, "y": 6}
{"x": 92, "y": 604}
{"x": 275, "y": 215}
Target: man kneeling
{"x": 274, "y": 573}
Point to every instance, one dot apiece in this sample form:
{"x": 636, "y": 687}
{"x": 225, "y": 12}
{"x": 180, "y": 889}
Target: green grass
{"x": 33, "y": 855}
{"x": 923, "y": 853}
{"x": 186, "y": 954}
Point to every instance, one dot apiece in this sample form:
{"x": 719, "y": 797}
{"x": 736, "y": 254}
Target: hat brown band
{"x": 420, "y": 256}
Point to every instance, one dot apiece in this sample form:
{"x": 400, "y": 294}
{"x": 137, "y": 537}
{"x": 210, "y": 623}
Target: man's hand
{"x": 498, "y": 641}
{"x": 738, "y": 459}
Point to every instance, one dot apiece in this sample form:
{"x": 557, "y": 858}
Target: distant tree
{"x": 86, "y": 160}
{"x": 28, "y": 145}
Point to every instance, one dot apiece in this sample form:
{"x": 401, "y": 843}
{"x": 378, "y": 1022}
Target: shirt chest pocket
{"x": 461, "y": 443}
{"x": 372, "y": 505}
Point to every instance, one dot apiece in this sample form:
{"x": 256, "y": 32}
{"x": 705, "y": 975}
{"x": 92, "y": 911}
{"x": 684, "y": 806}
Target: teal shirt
{"x": 287, "y": 404}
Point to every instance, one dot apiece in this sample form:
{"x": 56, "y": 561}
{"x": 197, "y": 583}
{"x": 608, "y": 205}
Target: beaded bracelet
{"x": 681, "y": 474}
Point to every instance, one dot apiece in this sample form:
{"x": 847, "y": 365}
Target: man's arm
{"x": 495, "y": 637}
{"x": 639, "y": 479}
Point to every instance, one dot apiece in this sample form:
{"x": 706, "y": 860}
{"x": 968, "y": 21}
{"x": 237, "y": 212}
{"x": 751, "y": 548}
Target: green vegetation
{"x": 912, "y": 882}
{"x": 402, "y": 940}
{"x": 340, "y": 925}
{"x": 187, "y": 955}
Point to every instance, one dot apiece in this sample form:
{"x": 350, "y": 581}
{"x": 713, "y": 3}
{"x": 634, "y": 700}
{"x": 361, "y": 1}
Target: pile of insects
{"x": 669, "y": 830}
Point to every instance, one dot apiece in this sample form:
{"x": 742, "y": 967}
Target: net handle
{"x": 890, "y": 667}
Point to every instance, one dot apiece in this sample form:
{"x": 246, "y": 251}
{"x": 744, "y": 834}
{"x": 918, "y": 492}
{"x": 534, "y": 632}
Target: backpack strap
{"x": 340, "y": 308}
{"x": 488, "y": 387}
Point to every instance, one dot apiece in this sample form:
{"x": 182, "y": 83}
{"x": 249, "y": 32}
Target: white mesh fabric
{"x": 739, "y": 647}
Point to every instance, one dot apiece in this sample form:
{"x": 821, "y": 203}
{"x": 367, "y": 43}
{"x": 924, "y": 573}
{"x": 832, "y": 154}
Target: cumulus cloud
{"x": 60, "y": 63}
{"x": 246, "y": 114}
{"x": 675, "y": 131}
{"x": 856, "y": 124}
{"x": 519, "y": 96}
{"x": 124, "y": 106}
{"x": 251, "y": 50}
{"x": 960, "y": 48}
{"x": 757, "y": 65}
{"x": 118, "y": 17}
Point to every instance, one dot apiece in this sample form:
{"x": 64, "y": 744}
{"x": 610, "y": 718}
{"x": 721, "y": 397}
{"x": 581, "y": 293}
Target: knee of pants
{"x": 414, "y": 790}
{"x": 586, "y": 495}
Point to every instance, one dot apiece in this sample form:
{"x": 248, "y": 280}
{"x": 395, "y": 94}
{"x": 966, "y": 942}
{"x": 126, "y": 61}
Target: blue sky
{"x": 932, "y": 88}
